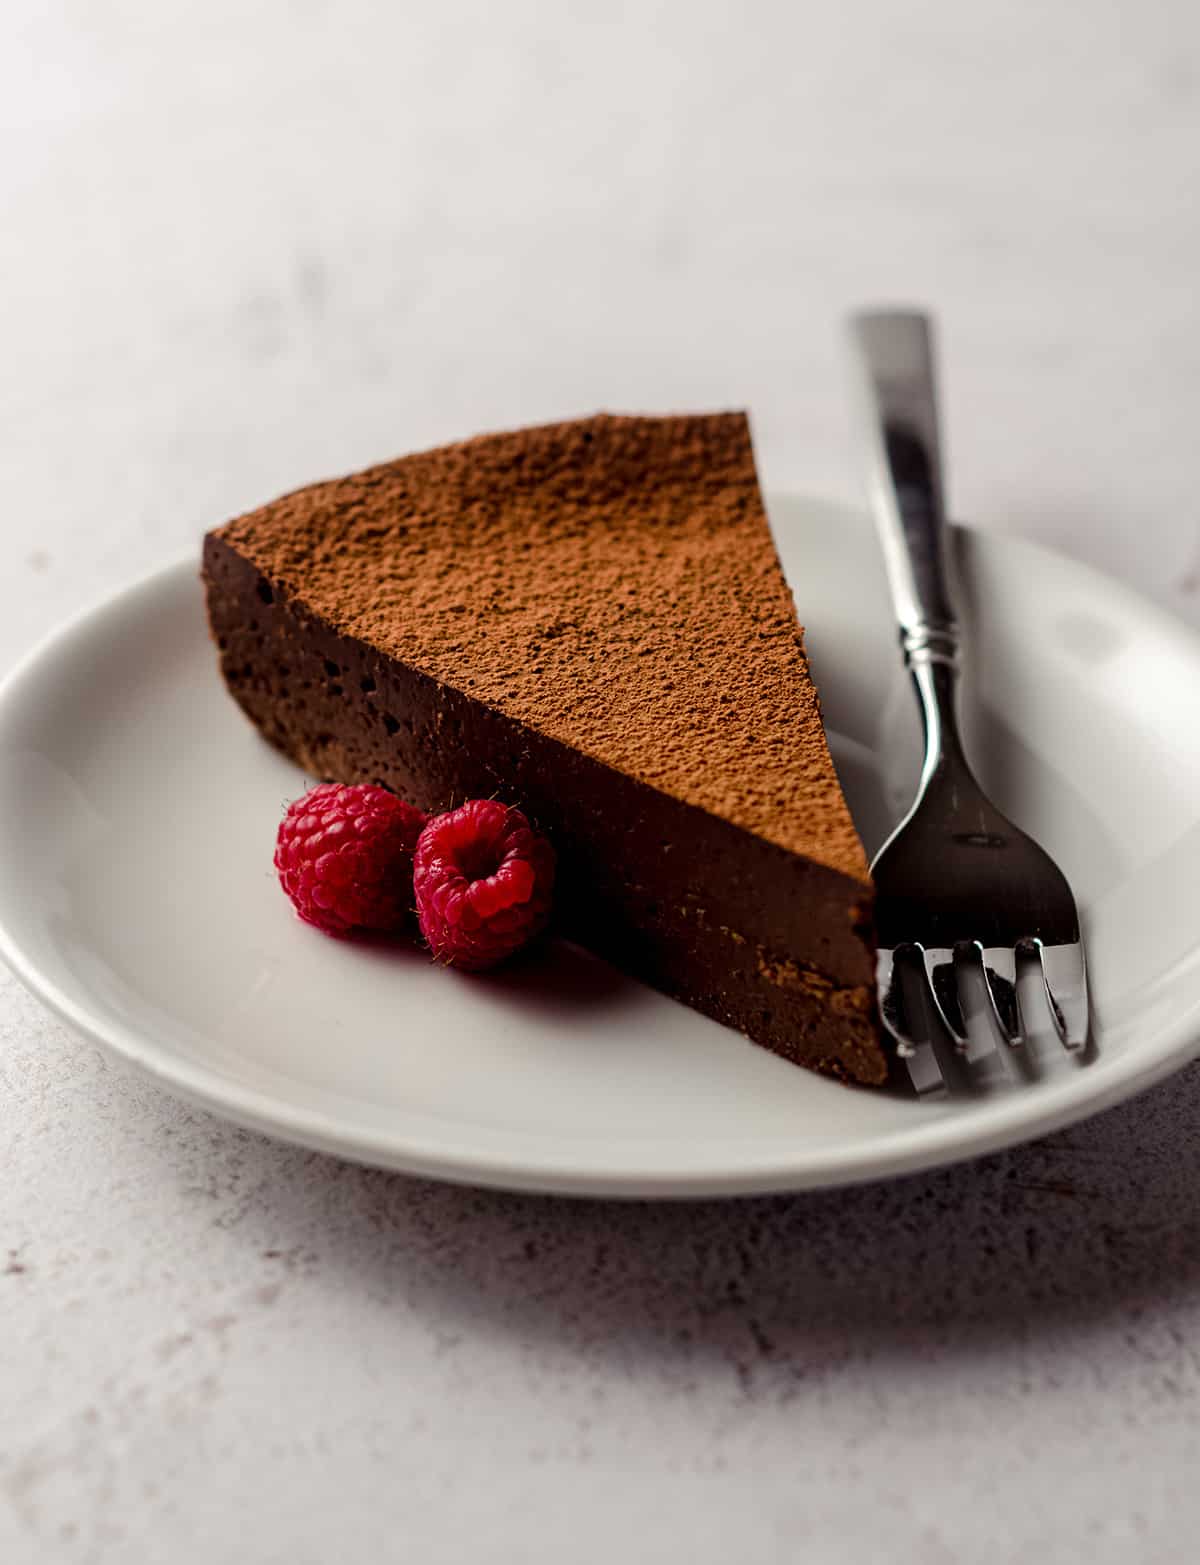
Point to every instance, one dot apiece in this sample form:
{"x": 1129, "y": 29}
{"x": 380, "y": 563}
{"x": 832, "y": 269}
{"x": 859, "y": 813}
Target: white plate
{"x": 137, "y": 816}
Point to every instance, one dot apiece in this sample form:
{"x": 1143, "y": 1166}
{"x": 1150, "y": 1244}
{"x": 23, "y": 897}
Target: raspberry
{"x": 344, "y": 856}
{"x": 482, "y": 878}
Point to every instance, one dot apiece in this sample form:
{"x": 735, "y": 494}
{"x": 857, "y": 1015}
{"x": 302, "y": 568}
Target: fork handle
{"x": 893, "y": 361}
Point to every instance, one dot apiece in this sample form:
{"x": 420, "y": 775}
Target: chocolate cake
{"x": 589, "y": 620}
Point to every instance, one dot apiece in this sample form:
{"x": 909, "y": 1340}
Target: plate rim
{"x": 1025, "y": 1116}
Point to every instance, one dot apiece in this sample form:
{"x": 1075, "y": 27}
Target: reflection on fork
{"x": 952, "y": 1043}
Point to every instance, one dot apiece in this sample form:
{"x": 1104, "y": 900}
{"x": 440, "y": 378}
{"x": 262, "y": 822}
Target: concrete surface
{"x": 244, "y": 246}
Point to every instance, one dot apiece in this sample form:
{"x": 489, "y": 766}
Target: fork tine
{"x": 1000, "y": 974}
{"x": 1065, "y": 976}
{"x": 891, "y": 1004}
{"x": 943, "y": 984}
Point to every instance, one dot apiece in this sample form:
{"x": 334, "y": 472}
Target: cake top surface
{"x": 610, "y": 582}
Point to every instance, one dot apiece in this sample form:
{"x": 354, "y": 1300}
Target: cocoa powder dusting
{"x": 610, "y": 582}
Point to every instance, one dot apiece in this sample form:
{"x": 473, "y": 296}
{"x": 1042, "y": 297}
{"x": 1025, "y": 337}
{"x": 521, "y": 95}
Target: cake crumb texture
{"x": 610, "y": 582}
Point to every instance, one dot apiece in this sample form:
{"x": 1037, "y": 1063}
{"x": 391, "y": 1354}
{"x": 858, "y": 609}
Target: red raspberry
{"x": 344, "y": 856}
{"x": 482, "y": 878}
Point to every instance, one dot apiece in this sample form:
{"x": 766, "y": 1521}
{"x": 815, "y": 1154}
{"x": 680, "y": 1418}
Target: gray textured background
{"x": 247, "y": 246}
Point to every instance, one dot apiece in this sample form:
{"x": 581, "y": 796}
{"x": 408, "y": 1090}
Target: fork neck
{"x": 932, "y": 656}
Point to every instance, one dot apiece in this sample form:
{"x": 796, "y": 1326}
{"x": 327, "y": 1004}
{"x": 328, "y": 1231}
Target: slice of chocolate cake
{"x": 588, "y": 620}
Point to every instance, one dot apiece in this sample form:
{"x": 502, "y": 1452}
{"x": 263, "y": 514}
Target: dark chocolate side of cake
{"x": 690, "y": 903}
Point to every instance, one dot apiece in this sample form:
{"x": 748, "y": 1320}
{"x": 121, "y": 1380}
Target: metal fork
{"x": 957, "y": 884}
